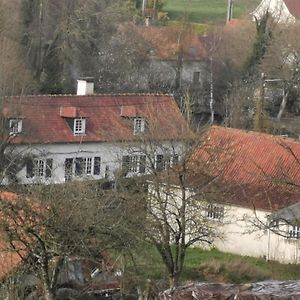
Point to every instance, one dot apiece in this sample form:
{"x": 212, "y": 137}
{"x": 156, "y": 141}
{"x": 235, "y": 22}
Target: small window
{"x": 39, "y": 168}
{"x": 138, "y": 125}
{"x": 294, "y": 232}
{"x": 215, "y": 212}
{"x": 15, "y": 126}
{"x": 81, "y": 166}
{"x": 79, "y": 126}
{"x": 134, "y": 164}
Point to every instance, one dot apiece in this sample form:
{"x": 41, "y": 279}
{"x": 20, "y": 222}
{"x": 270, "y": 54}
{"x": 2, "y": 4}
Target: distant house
{"x": 283, "y": 11}
{"x": 178, "y": 56}
{"x": 75, "y": 137}
{"x": 248, "y": 188}
{"x": 259, "y": 176}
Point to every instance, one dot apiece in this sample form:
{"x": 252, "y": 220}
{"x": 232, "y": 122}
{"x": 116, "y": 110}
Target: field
{"x": 207, "y": 11}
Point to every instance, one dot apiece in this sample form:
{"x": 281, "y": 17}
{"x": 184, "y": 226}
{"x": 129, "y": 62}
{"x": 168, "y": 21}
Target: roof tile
{"x": 43, "y": 123}
{"x": 258, "y": 169}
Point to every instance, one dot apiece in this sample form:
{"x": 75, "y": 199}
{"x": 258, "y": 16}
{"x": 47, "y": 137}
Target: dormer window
{"x": 79, "y": 126}
{"x": 138, "y": 125}
{"x": 15, "y": 126}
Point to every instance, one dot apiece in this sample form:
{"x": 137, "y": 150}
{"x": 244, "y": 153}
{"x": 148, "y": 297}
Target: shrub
{"x": 237, "y": 271}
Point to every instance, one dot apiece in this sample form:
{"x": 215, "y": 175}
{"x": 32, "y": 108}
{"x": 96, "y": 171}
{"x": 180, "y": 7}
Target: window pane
{"x": 88, "y": 162}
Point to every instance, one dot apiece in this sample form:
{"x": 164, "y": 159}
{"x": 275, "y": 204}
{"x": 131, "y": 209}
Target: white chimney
{"x": 85, "y": 86}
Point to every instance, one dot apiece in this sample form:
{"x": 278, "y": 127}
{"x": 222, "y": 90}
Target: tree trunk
{"x": 47, "y": 292}
{"x": 283, "y": 104}
{"x": 173, "y": 280}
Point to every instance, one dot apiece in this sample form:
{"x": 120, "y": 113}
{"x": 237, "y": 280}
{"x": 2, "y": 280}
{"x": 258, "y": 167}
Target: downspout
{"x": 268, "y": 245}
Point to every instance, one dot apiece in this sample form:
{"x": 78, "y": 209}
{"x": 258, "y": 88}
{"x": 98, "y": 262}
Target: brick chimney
{"x": 85, "y": 86}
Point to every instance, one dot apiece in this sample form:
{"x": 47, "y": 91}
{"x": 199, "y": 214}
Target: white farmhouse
{"x": 75, "y": 137}
{"x": 283, "y": 11}
{"x": 258, "y": 181}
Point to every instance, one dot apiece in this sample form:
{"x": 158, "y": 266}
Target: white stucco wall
{"x": 240, "y": 236}
{"x": 278, "y": 10}
{"x": 110, "y": 153}
{"x": 165, "y": 72}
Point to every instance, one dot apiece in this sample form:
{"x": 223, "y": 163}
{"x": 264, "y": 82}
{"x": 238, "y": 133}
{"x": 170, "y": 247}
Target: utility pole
{"x": 229, "y": 10}
{"x": 259, "y": 118}
{"x": 211, "y": 101}
{"x": 144, "y": 7}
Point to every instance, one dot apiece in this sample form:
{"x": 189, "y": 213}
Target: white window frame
{"x": 215, "y": 212}
{"x": 294, "y": 232}
{"x": 79, "y": 126}
{"x": 138, "y": 125}
{"x": 40, "y": 168}
{"x": 87, "y": 167}
{"x": 168, "y": 161}
{"x": 15, "y": 126}
{"x": 135, "y": 164}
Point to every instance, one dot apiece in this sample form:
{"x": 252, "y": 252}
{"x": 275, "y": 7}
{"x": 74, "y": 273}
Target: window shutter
{"x": 29, "y": 169}
{"x": 97, "y": 165}
{"x": 159, "y": 162}
{"x": 49, "y": 165}
{"x": 142, "y": 168}
{"x": 125, "y": 163}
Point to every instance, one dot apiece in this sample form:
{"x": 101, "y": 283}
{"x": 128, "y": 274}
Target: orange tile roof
{"x": 259, "y": 169}
{"x": 9, "y": 259}
{"x": 106, "y": 122}
{"x": 168, "y": 41}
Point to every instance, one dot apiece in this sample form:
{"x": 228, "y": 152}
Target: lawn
{"x": 207, "y": 11}
{"x": 215, "y": 266}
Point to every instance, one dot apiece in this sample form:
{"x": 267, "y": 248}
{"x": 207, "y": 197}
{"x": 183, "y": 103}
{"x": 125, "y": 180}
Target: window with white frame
{"x": 215, "y": 212}
{"x": 163, "y": 162}
{"x": 79, "y": 126}
{"x": 15, "y": 126}
{"x": 294, "y": 232}
{"x": 134, "y": 164}
{"x": 82, "y": 166}
{"x": 39, "y": 168}
{"x": 138, "y": 125}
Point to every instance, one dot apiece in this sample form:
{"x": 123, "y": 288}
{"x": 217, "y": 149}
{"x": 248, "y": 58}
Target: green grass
{"x": 207, "y": 11}
{"x": 213, "y": 265}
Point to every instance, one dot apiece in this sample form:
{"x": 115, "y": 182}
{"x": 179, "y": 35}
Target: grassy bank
{"x": 207, "y": 11}
{"x": 213, "y": 265}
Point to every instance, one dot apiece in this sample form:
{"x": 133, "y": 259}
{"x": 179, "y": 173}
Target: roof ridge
{"x": 92, "y": 95}
{"x": 257, "y": 133}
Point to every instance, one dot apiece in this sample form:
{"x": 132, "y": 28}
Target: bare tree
{"x": 45, "y": 225}
{"x": 178, "y": 194}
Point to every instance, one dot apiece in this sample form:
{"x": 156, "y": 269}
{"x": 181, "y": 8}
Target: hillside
{"x": 207, "y": 11}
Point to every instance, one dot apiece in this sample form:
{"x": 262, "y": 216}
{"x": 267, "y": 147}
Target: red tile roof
{"x": 168, "y": 41}
{"x": 9, "y": 259}
{"x": 258, "y": 169}
{"x": 107, "y": 117}
{"x": 293, "y": 7}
